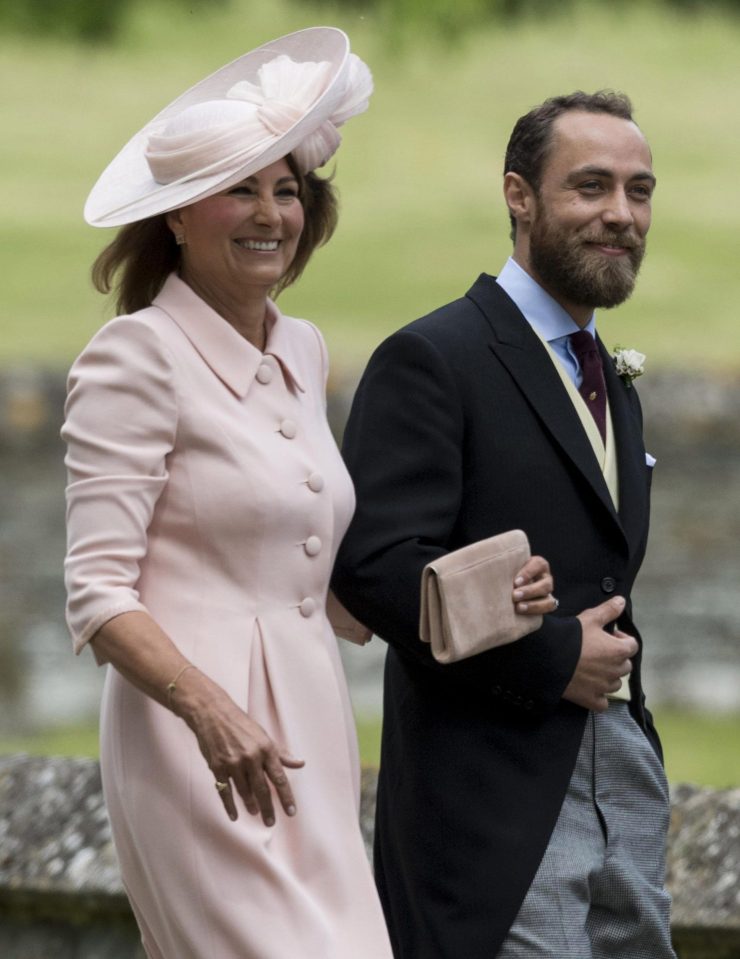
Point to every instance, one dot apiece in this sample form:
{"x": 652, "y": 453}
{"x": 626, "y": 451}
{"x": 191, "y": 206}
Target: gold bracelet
{"x": 171, "y": 687}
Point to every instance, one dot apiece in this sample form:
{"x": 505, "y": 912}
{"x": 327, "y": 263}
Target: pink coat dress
{"x": 205, "y": 488}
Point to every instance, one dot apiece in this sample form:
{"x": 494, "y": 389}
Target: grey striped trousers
{"x": 599, "y": 891}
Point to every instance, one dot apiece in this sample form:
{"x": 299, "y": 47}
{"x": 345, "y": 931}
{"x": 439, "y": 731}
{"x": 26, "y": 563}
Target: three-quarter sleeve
{"x": 120, "y": 425}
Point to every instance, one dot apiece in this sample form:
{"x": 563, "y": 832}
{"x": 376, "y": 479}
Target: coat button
{"x": 307, "y": 606}
{"x": 288, "y": 429}
{"x": 316, "y": 482}
{"x": 264, "y": 374}
{"x": 312, "y": 546}
{"x": 608, "y": 584}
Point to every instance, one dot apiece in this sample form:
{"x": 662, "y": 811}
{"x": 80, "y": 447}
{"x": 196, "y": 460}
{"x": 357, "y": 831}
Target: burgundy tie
{"x": 593, "y": 387}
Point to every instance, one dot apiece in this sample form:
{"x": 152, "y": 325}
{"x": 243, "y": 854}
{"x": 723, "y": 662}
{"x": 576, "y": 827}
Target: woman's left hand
{"x": 533, "y": 588}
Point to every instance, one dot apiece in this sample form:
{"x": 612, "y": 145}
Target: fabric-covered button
{"x": 264, "y": 374}
{"x": 307, "y": 606}
{"x": 608, "y": 584}
{"x": 312, "y": 546}
{"x": 288, "y": 429}
{"x": 316, "y": 482}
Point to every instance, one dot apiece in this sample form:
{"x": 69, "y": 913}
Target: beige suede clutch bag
{"x": 466, "y": 603}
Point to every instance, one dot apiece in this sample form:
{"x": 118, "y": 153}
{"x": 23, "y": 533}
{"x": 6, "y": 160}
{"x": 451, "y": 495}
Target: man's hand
{"x": 605, "y": 657}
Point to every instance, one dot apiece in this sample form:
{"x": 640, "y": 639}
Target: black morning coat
{"x": 461, "y": 428}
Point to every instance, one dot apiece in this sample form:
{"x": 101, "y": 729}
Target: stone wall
{"x": 61, "y": 895}
{"x": 703, "y": 872}
{"x": 60, "y": 890}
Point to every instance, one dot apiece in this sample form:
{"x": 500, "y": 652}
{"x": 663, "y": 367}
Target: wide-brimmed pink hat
{"x": 287, "y": 96}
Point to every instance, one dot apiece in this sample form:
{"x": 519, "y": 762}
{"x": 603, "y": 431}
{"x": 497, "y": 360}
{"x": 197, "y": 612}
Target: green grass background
{"x": 699, "y": 748}
{"x": 419, "y": 174}
{"x": 419, "y": 177}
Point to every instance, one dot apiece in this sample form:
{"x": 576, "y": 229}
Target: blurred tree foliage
{"x": 455, "y": 16}
{"x": 92, "y": 21}
{"x": 100, "y": 21}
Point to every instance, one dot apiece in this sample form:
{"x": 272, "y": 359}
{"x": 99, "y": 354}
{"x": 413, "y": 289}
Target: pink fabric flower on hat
{"x": 286, "y": 90}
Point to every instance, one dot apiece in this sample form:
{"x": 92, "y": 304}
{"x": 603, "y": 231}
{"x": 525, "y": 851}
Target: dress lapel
{"x": 521, "y": 352}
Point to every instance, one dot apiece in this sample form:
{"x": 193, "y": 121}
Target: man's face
{"x": 592, "y": 212}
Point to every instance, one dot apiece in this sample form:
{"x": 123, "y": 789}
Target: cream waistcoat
{"x": 606, "y": 453}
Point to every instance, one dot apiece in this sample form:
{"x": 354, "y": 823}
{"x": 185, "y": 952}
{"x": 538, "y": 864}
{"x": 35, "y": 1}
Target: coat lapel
{"x": 523, "y": 355}
{"x": 627, "y": 424}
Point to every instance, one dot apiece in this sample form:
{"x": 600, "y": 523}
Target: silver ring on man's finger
{"x": 556, "y": 601}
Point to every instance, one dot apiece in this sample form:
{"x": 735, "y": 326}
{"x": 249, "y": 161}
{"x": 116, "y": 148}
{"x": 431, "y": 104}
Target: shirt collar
{"x": 231, "y": 357}
{"x": 540, "y": 310}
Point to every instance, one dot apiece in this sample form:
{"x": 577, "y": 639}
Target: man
{"x": 522, "y": 805}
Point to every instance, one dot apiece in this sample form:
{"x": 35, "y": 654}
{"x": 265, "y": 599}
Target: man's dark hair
{"x": 531, "y": 137}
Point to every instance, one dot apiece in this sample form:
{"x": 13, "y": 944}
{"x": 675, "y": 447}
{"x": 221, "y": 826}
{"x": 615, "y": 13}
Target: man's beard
{"x": 569, "y": 268}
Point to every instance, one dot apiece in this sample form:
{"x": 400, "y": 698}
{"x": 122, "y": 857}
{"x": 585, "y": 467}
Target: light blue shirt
{"x": 543, "y": 313}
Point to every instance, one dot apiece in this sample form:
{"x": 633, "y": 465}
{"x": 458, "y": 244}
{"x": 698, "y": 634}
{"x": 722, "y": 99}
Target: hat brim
{"x": 126, "y": 191}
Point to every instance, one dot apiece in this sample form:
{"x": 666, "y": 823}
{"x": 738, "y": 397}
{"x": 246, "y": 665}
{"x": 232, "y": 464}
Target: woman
{"x": 206, "y": 501}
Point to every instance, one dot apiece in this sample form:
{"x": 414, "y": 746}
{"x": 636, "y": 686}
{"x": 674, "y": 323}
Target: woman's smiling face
{"x": 239, "y": 243}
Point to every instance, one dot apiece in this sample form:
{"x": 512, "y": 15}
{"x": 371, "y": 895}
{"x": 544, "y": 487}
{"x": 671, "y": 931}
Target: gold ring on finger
{"x": 221, "y": 786}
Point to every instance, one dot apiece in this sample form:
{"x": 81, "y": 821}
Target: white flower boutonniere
{"x": 629, "y": 364}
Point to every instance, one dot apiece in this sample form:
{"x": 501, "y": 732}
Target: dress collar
{"x": 229, "y": 355}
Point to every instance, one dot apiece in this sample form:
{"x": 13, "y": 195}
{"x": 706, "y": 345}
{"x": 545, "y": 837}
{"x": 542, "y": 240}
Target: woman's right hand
{"x": 533, "y": 588}
{"x": 238, "y": 751}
